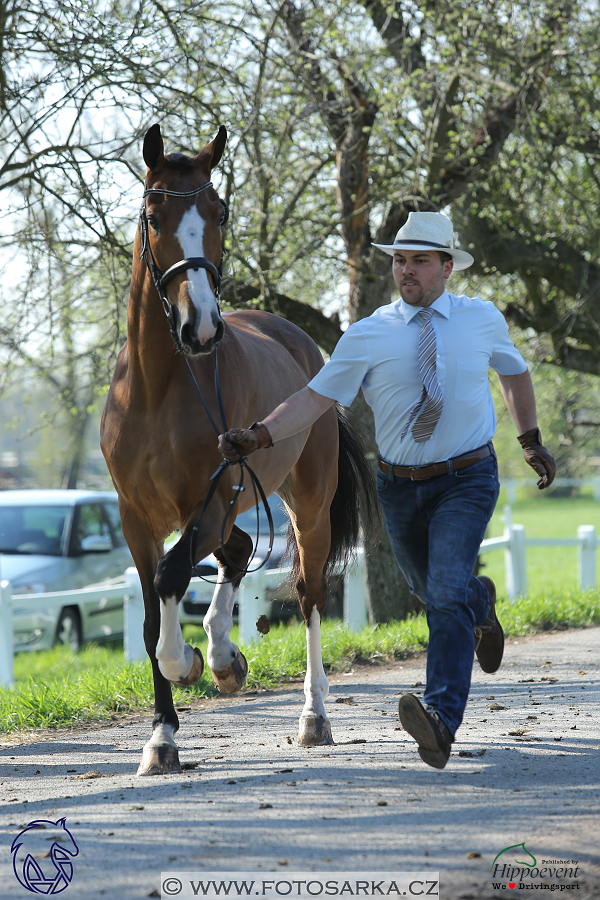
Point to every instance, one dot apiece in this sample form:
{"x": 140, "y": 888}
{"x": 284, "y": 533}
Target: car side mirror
{"x": 96, "y": 543}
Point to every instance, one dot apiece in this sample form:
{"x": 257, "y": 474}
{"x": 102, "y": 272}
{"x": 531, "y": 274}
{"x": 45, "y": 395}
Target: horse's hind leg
{"x": 313, "y": 549}
{"x": 309, "y": 493}
{"x": 227, "y": 662}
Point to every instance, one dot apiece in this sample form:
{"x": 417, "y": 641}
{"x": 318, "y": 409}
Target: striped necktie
{"x": 431, "y": 395}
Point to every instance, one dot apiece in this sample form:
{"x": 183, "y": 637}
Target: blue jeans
{"x": 435, "y": 529}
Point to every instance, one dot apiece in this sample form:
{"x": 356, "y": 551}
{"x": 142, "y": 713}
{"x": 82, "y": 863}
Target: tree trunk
{"x": 388, "y": 595}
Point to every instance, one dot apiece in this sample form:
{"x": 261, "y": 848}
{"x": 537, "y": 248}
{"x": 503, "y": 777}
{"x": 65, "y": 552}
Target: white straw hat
{"x": 428, "y": 231}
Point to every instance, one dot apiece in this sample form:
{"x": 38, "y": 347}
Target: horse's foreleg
{"x": 160, "y": 754}
{"x": 178, "y": 662}
{"x": 227, "y": 662}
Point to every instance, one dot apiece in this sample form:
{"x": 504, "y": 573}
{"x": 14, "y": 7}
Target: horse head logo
{"x": 517, "y": 850}
{"x": 30, "y": 847}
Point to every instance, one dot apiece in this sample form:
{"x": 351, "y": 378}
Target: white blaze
{"x": 190, "y": 235}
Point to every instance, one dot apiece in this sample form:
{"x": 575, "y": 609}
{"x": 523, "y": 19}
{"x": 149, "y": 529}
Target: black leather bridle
{"x": 161, "y": 279}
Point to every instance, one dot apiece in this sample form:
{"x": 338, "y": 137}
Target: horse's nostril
{"x": 187, "y": 335}
{"x": 219, "y": 331}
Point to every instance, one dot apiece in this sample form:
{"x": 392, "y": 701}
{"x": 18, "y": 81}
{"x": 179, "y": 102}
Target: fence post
{"x": 133, "y": 614}
{"x": 6, "y": 635}
{"x": 251, "y": 604}
{"x": 356, "y": 616}
{"x": 587, "y": 557}
{"x": 515, "y": 557}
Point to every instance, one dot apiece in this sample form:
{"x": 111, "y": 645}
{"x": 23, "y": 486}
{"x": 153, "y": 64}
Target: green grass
{"x": 58, "y": 688}
{"x": 550, "y": 570}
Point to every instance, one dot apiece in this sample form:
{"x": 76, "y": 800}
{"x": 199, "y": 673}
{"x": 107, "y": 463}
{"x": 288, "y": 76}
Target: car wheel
{"x": 68, "y": 629}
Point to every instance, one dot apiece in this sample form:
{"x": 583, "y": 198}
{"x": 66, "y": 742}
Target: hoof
{"x": 314, "y": 731}
{"x": 160, "y": 759}
{"x": 195, "y": 672}
{"x": 233, "y": 678}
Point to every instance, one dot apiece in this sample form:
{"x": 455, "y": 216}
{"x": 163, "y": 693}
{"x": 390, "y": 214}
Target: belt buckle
{"x": 413, "y": 469}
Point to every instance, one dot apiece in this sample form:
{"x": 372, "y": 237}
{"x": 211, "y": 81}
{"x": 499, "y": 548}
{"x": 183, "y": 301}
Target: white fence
{"x": 254, "y": 588}
{"x": 515, "y": 544}
{"x": 252, "y": 604}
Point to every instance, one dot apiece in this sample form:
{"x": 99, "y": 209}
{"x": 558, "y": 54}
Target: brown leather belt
{"x": 423, "y": 473}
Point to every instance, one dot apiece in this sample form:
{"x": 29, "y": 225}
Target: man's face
{"x": 420, "y": 275}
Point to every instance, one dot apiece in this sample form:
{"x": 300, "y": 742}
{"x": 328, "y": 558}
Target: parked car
{"x": 58, "y": 541}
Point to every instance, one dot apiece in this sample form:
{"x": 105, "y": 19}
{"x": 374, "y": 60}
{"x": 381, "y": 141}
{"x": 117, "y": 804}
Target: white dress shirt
{"x": 380, "y": 354}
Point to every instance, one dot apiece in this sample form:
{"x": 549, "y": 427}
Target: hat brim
{"x": 461, "y": 259}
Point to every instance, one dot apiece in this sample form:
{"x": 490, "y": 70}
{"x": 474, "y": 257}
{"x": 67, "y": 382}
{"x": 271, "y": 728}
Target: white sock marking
{"x": 218, "y": 622}
{"x": 175, "y": 657}
{"x": 316, "y": 686}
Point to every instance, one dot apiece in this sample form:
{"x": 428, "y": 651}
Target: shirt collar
{"x": 441, "y": 306}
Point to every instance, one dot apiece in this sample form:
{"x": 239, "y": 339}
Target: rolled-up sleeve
{"x": 341, "y": 378}
{"x": 505, "y": 359}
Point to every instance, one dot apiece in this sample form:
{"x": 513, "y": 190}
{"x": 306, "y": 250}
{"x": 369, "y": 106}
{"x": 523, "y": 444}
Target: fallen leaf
{"x": 349, "y": 701}
{"x": 190, "y": 765}
{"x": 231, "y": 781}
{"x": 466, "y": 753}
{"x": 87, "y": 775}
{"x": 550, "y": 679}
{"x": 266, "y": 806}
{"x": 473, "y": 855}
{"x": 558, "y": 738}
{"x": 382, "y": 803}
{"x": 520, "y": 731}
{"x": 496, "y": 706}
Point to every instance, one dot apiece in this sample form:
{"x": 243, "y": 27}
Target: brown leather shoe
{"x": 431, "y": 734}
{"x": 489, "y": 637}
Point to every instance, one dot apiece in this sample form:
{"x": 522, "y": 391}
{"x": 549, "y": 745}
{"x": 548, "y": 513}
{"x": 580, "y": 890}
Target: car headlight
{"x": 36, "y": 587}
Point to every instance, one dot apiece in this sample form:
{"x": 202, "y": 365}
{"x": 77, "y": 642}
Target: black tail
{"x": 355, "y": 496}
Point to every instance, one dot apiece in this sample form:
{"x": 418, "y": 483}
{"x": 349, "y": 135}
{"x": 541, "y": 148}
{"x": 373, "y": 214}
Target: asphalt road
{"x": 525, "y": 769}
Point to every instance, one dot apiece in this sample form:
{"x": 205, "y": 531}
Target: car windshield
{"x": 33, "y": 529}
{"x": 247, "y": 520}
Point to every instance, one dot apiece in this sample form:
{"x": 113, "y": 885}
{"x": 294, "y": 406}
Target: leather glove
{"x": 244, "y": 441}
{"x": 538, "y": 457}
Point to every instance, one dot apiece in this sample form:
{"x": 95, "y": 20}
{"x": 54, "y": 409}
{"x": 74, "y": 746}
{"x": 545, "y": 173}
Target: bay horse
{"x": 161, "y": 450}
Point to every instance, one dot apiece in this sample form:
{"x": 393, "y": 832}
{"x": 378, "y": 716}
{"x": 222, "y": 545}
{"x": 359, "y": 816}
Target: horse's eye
{"x": 153, "y": 223}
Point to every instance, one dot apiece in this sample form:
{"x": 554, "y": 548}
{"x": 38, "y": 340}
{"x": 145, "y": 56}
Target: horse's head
{"x": 184, "y": 237}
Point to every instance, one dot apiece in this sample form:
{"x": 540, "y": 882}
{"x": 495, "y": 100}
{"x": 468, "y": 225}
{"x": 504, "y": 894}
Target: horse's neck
{"x": 150, "y": 350}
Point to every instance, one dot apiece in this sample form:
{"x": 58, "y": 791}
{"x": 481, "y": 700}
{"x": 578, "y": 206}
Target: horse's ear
{"x": 210, "y": 156}
{"x": 154, "y": 151}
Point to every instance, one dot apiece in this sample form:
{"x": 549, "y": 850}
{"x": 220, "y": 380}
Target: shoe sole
{"x": 415, "y": 722}
{"x": 490, "y": 586}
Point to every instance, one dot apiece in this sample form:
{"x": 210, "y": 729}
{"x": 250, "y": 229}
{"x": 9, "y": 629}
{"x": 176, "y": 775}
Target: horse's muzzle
{"x": 191, "y": 344}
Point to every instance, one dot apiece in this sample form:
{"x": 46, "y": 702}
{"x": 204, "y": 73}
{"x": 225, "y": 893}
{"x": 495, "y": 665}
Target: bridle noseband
{"x": 161, "y": 279}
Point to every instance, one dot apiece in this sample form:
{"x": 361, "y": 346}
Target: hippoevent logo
{"x": 516, "y": 868}
{"x": 40, "y": 868}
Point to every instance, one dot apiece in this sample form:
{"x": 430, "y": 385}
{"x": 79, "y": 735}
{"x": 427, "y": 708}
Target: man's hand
{"x": 243, "y": 441}
{"x": 538, "y": 457}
